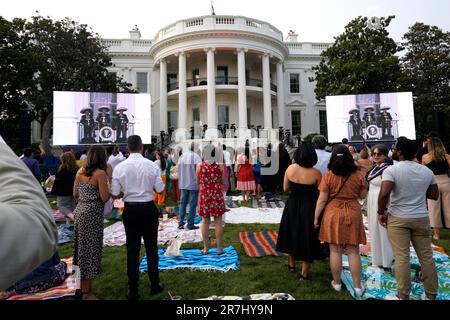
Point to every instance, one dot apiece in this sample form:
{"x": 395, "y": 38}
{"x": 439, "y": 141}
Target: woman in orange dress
{"x": 342, "y": 226}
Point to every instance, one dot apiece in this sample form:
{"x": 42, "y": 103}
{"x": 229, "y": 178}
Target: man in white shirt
{"x": 407, "y": 218}
{"x": 135, "y": 179}
{"x": 323, "y": 157}
{"x": 115, "y": 156}
{"x": 28, "y": 234}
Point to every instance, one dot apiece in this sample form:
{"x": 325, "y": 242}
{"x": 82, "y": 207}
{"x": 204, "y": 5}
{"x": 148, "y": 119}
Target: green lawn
{"x": 256, "y": 275}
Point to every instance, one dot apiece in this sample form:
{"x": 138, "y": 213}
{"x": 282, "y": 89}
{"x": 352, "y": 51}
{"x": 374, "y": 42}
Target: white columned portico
{"x": 211, "y": 94}
{"x": 242, "y": 91}
{"x": 182, "y": 96}
{"x": 163, "y": 94}
{"x": 267, "y": 107}
{"x": 280, "y": 95}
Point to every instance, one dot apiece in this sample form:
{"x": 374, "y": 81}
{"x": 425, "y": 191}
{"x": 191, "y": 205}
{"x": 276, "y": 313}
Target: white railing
{"x": 112, "y": 43}
{"x": 142, "y": 43}
{"x": 320, "y": 46}
{"x": 216, "y": 22}
{"x": 194, "y": 23}
{"x": 294, "y": 45}
{"x": 224, "y": 20}
{"x": 253, "y": 24}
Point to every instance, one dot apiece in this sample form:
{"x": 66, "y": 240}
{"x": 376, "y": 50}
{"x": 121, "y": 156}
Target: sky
{"x": 312, "y": 20}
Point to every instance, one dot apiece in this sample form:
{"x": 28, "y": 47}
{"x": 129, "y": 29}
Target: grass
{"x": 256, "y": 275}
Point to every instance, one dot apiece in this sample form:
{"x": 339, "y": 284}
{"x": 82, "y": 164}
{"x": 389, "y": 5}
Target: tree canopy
{"x": 426, "y": 72}
{"x": 361, "y": 60}
{"x": 40, "y": 56}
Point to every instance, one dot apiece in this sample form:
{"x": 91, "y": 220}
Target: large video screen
{"x": 100, "y": 117}
{"x": 370, "y": 117}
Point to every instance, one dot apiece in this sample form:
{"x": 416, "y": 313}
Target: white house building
{"x": 223, "y": 70}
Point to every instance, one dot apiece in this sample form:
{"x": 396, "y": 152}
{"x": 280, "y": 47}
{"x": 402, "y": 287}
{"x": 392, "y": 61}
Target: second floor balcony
{"x": 230, "y": 81}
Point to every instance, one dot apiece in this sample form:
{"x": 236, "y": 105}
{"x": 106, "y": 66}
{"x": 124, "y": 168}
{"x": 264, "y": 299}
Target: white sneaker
{"x": 336, "y": 287}
{"x": 359, "y": 292}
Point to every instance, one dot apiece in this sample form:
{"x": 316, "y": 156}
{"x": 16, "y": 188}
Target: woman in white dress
{"x": 382, "y": 254}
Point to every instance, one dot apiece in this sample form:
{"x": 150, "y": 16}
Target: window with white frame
{"x": 224, "y": 115}
{"x": 172, "y": 119}
{"x": 141, "y": 81}
{"x": 294, "y": 83}
{"x": 296, "y": 122}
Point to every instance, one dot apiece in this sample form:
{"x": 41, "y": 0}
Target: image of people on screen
{"x": 88, "y": 124}
{"x": 104, "y": 124}
{"x": 385, "y": 122}
{"x": 121, "y": 125}
{"x": 356, "y": 123}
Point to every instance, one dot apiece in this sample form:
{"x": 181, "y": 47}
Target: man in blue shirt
{"x": 31, "y": 163}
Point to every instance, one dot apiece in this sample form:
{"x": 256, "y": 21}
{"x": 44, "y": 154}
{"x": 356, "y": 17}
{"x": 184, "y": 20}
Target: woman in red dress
{"x": 245, "y": 176}
{"x": 211, "y": 202}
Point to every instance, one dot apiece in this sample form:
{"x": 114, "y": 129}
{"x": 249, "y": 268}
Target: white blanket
{"x": 114, "y": 235}
{"x": 250, "y": 215}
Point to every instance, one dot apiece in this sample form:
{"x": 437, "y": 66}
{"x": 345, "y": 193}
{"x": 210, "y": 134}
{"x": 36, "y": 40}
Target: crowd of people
{"x": 405, "y": 195}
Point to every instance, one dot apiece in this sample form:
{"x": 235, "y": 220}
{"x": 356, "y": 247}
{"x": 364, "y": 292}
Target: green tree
{"x": 361, "y": 60}
{"x": 56, "y": 56}
{"x": 426, "y": 68}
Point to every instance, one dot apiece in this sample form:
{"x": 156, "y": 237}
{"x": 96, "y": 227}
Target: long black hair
{"x": 341, "y": 162}
{"x": 96, "y": 159}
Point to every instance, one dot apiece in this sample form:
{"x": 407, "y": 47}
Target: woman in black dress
{"x": 92, "y": 191}
{"x": 297, "y": 236}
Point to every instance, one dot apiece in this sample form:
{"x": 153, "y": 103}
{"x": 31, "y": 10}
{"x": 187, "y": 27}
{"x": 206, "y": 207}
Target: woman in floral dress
{"x": 211, "y": 201}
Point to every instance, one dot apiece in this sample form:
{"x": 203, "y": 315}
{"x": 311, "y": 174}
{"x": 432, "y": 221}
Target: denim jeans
{"x": 192, "y": 197}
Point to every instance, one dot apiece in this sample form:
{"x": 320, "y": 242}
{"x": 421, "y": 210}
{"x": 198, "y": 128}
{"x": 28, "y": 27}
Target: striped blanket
{"x": 67, "y": 288}
{"x": 259, "y": 244}
{"x": 273, "y": 203}
{"x": 195, "y": 260}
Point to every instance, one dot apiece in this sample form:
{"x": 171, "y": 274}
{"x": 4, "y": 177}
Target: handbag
{"x": 173, "y": 173}
{"x": 173, "y": 250}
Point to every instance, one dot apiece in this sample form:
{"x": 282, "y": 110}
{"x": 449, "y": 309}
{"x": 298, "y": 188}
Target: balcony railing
{"x": 219, "y": 81}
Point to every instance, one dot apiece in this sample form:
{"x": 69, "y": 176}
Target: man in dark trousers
{"x": 135, "y": 179}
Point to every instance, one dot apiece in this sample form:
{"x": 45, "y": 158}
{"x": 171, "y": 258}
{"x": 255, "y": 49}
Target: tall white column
{"x": 211, "y": 95}
{"x": 211, "y": 78}
{"x": 280, "y": 95}
{"x": 267, "y": 106}
{"x": 182, "y": 96}
{"x": 163, "y": 94}
{"x": 242, "y": 91}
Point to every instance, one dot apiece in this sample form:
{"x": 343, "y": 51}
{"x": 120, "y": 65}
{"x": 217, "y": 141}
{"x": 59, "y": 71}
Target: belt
{"x": 139, "y": 203}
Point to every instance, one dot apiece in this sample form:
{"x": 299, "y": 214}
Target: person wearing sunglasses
{"x": 382, "y": 254}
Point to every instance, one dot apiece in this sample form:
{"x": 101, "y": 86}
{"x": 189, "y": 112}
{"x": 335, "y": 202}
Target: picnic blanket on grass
{"x": 58, "y": 215}
{"x": 67, "y": 288}
{"x": 267, "y": 203}
{"x": 195, "y": 260}
{"x": 114, "y": 235}
{"x": 258, "y": 296}
{"x": 379, "y": 283}
{"x": 65, "y": 233}
{"x": 250, "y": 215}
{"x": 259, "y": 244}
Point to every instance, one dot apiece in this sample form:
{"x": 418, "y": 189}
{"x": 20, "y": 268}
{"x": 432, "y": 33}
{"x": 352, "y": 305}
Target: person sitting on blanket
{"x": 24, "y": 210}
{"x": 49, "y": 274}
